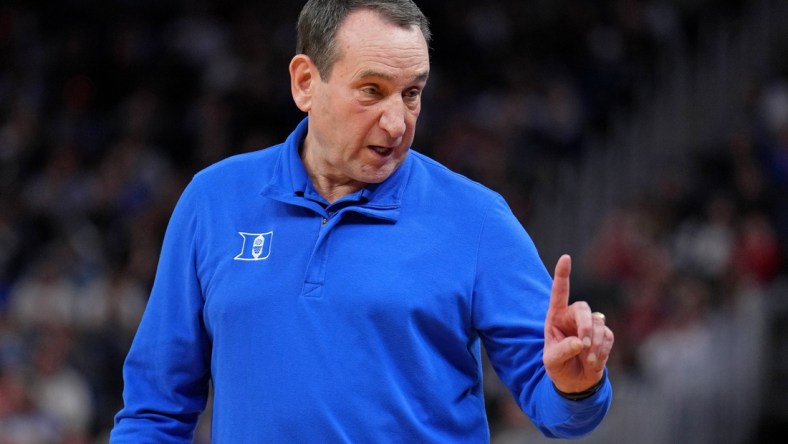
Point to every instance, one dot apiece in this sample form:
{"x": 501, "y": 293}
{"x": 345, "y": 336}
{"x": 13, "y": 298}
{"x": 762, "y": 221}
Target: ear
{"x": 303, "y": 75}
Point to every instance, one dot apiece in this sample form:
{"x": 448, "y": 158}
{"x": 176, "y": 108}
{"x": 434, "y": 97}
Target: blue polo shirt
{"x": 358, "y": 321}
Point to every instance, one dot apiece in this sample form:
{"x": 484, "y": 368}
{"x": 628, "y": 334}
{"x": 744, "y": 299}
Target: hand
{"x": 576, "y": 341}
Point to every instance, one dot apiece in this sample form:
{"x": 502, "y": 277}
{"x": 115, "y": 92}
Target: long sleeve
{"x": 511, "y": 297}
{"x": 166, "y": 372}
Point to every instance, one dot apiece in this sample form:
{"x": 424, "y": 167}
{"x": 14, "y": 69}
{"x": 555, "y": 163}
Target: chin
{"x": 381, "y": 174}
{"x": 377, "y": 174}
{"x": 375, "y": 179}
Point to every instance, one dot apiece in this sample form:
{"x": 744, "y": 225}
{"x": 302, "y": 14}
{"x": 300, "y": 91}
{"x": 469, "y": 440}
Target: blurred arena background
{"x": 648, "y": 138}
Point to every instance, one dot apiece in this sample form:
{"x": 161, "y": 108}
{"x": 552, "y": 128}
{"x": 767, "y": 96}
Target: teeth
{"x": 380, "y": 149}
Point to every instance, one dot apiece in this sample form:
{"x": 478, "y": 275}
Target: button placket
{"x": 315, "y": 275}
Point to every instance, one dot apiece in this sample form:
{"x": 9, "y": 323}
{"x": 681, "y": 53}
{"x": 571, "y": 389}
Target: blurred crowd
{"x": 107, "y": 108}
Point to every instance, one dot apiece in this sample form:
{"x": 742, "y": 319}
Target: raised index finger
{"x": 559, "y": 296}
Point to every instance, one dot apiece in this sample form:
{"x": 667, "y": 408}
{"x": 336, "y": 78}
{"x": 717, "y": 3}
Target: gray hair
{"x": 320, "y": 20}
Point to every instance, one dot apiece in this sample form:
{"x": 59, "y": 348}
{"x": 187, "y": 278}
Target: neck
{"x": 331, "y": 190}
{"x": 328, "y": 182}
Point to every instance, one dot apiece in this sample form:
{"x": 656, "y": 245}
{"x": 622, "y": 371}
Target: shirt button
{"x": 324, "y": 221}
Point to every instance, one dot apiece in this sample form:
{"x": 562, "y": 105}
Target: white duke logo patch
{"x": 256, "y": 246}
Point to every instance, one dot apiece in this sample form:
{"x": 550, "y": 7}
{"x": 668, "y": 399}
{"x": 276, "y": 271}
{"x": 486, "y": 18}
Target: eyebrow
{"x": 420, "y": 77}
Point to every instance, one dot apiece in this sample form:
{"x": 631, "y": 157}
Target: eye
{"x": 370, "y": 90}
{"x": 412, "y": 94}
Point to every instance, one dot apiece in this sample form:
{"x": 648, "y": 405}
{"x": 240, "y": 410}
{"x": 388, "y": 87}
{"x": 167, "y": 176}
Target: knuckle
{"x": 582, "y": 305}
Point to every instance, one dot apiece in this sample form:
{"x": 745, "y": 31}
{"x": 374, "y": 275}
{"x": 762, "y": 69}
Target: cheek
{"x": 412, "y": 116}
{"x": 410, "y": 123}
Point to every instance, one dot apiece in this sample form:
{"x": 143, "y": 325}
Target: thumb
{"x": 561, "y": 351}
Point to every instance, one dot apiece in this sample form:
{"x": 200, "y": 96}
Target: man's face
{"x": 362, "y": 118}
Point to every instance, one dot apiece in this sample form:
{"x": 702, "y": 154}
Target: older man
{"x": 338, "y": 287}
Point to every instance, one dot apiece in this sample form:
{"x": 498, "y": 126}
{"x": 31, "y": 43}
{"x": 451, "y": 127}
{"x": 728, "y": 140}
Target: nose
{"x": 392, "y": 119}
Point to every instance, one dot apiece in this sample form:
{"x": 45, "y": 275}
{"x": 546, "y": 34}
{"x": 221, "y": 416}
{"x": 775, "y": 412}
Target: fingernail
{"x": 587, "y": 341}
{"x": 592, "y": 357}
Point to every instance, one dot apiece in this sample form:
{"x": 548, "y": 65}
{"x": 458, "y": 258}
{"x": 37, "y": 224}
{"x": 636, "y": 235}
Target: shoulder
{"x": 244, "y": 166}
{"x": 241, "y": 172}
{"x": 444, "y": 183}
{"x": 235, "y": 178}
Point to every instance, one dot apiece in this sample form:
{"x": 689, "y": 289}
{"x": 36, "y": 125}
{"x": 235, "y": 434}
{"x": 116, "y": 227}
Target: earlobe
{"x": 302, "y": 76}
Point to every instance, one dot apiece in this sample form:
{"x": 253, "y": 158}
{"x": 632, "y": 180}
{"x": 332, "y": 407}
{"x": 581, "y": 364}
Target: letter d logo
{"x": 255, "y": 247}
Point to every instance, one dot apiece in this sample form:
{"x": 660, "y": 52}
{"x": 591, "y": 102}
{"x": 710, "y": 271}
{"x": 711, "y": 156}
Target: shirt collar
{"x": 290, "y": 183}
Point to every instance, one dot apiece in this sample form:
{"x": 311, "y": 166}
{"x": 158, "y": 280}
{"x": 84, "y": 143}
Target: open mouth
{"x": 381, "y": 150}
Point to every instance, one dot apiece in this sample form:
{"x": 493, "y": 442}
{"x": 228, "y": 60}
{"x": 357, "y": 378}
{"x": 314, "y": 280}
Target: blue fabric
{"x": 359, "y": 321}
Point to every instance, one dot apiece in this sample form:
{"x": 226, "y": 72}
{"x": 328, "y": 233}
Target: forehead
{"x": 367, "y": 42}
